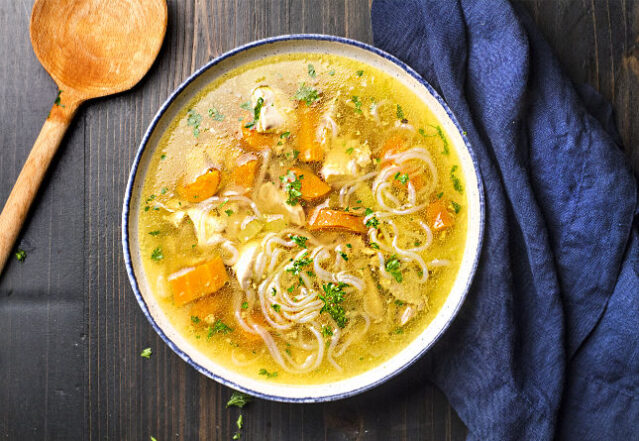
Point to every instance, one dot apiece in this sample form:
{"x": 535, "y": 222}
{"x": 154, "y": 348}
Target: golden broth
{"x": 361, "y": 122}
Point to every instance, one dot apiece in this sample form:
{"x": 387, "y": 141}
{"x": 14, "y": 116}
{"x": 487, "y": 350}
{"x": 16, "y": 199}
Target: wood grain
{"x": 70, "y": 329}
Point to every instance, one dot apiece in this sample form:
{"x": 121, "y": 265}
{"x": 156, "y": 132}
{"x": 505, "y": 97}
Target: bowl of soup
{"x": 303, "y": 218}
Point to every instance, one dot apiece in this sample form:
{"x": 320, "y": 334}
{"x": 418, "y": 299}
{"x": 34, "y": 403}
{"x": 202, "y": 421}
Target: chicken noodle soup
{"x": 303, "y": 218}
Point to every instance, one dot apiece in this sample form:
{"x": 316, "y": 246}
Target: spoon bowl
{"x": 91, "y": 48}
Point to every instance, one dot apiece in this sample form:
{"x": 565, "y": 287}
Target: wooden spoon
{"x": 91, "y": 48}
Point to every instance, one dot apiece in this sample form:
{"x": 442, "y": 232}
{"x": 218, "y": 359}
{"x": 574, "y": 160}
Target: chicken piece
{"x": 273, "y": 201}
{"x": 208, "y": 224}
{"x": 273, "y": 113}
{"x": 243, "y": 268}
{"x": 345, "y": 161}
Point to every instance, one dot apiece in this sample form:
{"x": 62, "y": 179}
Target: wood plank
{"x": 70, "y": 329}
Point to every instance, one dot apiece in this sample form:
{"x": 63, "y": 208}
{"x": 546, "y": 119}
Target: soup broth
{"x": 303, "y": 218}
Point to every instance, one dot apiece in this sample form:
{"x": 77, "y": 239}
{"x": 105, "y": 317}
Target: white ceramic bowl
{"x": 132, "y": 201}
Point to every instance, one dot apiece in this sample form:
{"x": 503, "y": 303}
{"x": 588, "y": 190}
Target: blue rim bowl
{"x": 132, "y": 201}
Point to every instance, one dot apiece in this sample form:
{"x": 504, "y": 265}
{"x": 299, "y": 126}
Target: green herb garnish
{"x": 403, "y": 178}
{"x": 358, "y": 104}
{"x": 307, "y": 94}
{"x": 285, "y": 135}
{"x": 292, "y": 186}
{"x": 298, "y": 264}
{"x": 257, "y": 110}
{"x": 276, "y": 307}
{"x": 215, "y": 114}
{"x": 267, "y": 374}
{"x": 400, "y": 112}
{"x": 194, "y": 119}
{"x": 244, "y": 305}
{"x": 350, "y": 150}
{"x": 344, "y": 255}
{"x": 331, "y": 72}
{"x": 327, "y": 331}
{"x": 228, "y": 212}
{"x": 239, "y": 399}
{"x": 393, "y": 268}
{"x": 218, "y": 328}
{"x": 157, "y": 254}
{"x": 21, "y": 255}
{"x": 457, "y": 185}
{"x": 359, "y": 73}
{"x": 146, "y": 353}
{"x": 311, "y": 71}
{"x": 195, "y": 319}
{"x": 299, "y": 240}
{"x": 332, "y": 297}
{"x": 456, "y": 206}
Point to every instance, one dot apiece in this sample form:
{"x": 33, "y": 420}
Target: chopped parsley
{"x": 441, "y": 135}
{"x": 21, "y": 255}
{"x": 239, "y": 422}
{"x": 299, "y": 240}
{"x": 393, "y": 268}
{"x": 344, "y": 255}
{"x": 331, "y": 72}
{"x": 399, "y": 302}
{"x": 244, "y": 305}
{"x": 350, "y": 150}
{"x": 373, "y": 222}
{"x": 440, "y": 194}
{"x": 163, "y": 156}
{"x": 298, "y": 265}
{"x": 228, "y": 212}
{"x": 292, "y": 186}
{"x": 257, "y": 110}
{"x": 332, "y": 297}
{"x": 218, "y": 328}
{"x": 311, "y": 71}
{"x": 238, "y": 399}
{"x": 58, "y": 99}
{"x": 146, "y": 353}
{"x": 348, "y": 245}
{"x": 456, "y": 206}
{"x": 307, "y": 94}
{"x": 327, "y": 331}
{"x": 194, "y": 119}
{"x": 246, "y": 106}
{"x": 398, "y": 331}
{"x": 236, "y": 436}
{"x": 403, "y": 178}
{"x": 195, "y": 319}
{"x": 457, "y": 185}
{"x": 215, "y": 114}
{"x": 400, "y": 112}
{"x": 359, "y": 73}
{"x": 267, "y": 374}
{"x": 374, "y": 245}
{"x": 358, "y": 104}
{"x": 276, "y": 307}
{"x": 157, "y": 254}
{"x": 285, "y": 134}
{"x": 296, "y": 153}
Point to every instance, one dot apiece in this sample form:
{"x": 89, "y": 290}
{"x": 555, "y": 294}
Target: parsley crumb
{"x": 457, "y": 185}
{"x": 215, "y": 114}
{"x": 195, "y": 319}
{"x": 194, "y": 119}
{"x": 307, "y": 94}
{"x": 276, "y": 307}
{"x": 163, "y": 157}
{"x": 257, "y": 110}
{"x": 393, "y": 268}
{"x": 157, "y": 254}
{"x": 267, "y": 374}
{"x": 146, "y": 353}
{"x": 21, "y": 255}
{"x": 239, "y": 399}
{"x": 358, "y": 104}
{"x": 350, "y": 150}
{"x": 400, "y": 112}
{"x": 244, "y": 305}
{"x": 331, "y": 72}
{"x": 456, "y": 206}
{"x": 344, "y": 255}
{"x": 228, "y": 212}
{"x": 311, "y": 71}
{"x": 359, "y": 73}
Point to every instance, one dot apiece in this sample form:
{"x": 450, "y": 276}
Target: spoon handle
{"x": 24, "y": 191}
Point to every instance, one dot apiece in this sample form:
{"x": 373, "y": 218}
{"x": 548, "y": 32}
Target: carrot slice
{"x": 192, "y": 283}
{"x": 208, "y": 306}
{"x": 438, "y": 216}
{"x": 312, "y": 186}
{"x": 244, "y": 175}
{"x": 256, "y": 141}
{"x": 202, "y": 188}
{"x": 336, "y": 220}
{"x": 393, "y": 145}
{"x": 310, "y": 148}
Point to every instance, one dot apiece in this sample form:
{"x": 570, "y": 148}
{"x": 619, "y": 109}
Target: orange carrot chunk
{"x": 393, "y": 145}
{"x": 192, "y": 283}
{"x": 256, "y": 141}
{"x": 206, "y": 307}
{"x": 312, "y": 186}
{"x": 336, "y": 220}
{"x": 310, "y": 148}
{"x": 438, "y": 216}
{"x": 203, "y": 187}
{"x": 244, "y": 175}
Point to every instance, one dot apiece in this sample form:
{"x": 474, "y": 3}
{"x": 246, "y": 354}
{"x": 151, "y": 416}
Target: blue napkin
{"x": 546, "y": 345}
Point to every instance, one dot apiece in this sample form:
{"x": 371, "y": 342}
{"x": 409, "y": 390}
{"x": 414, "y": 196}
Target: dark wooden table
{"x": 70, "y": 329}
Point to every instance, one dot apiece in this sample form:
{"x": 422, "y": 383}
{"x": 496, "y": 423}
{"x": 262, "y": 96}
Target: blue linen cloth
{"x": 546, "y": 345}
